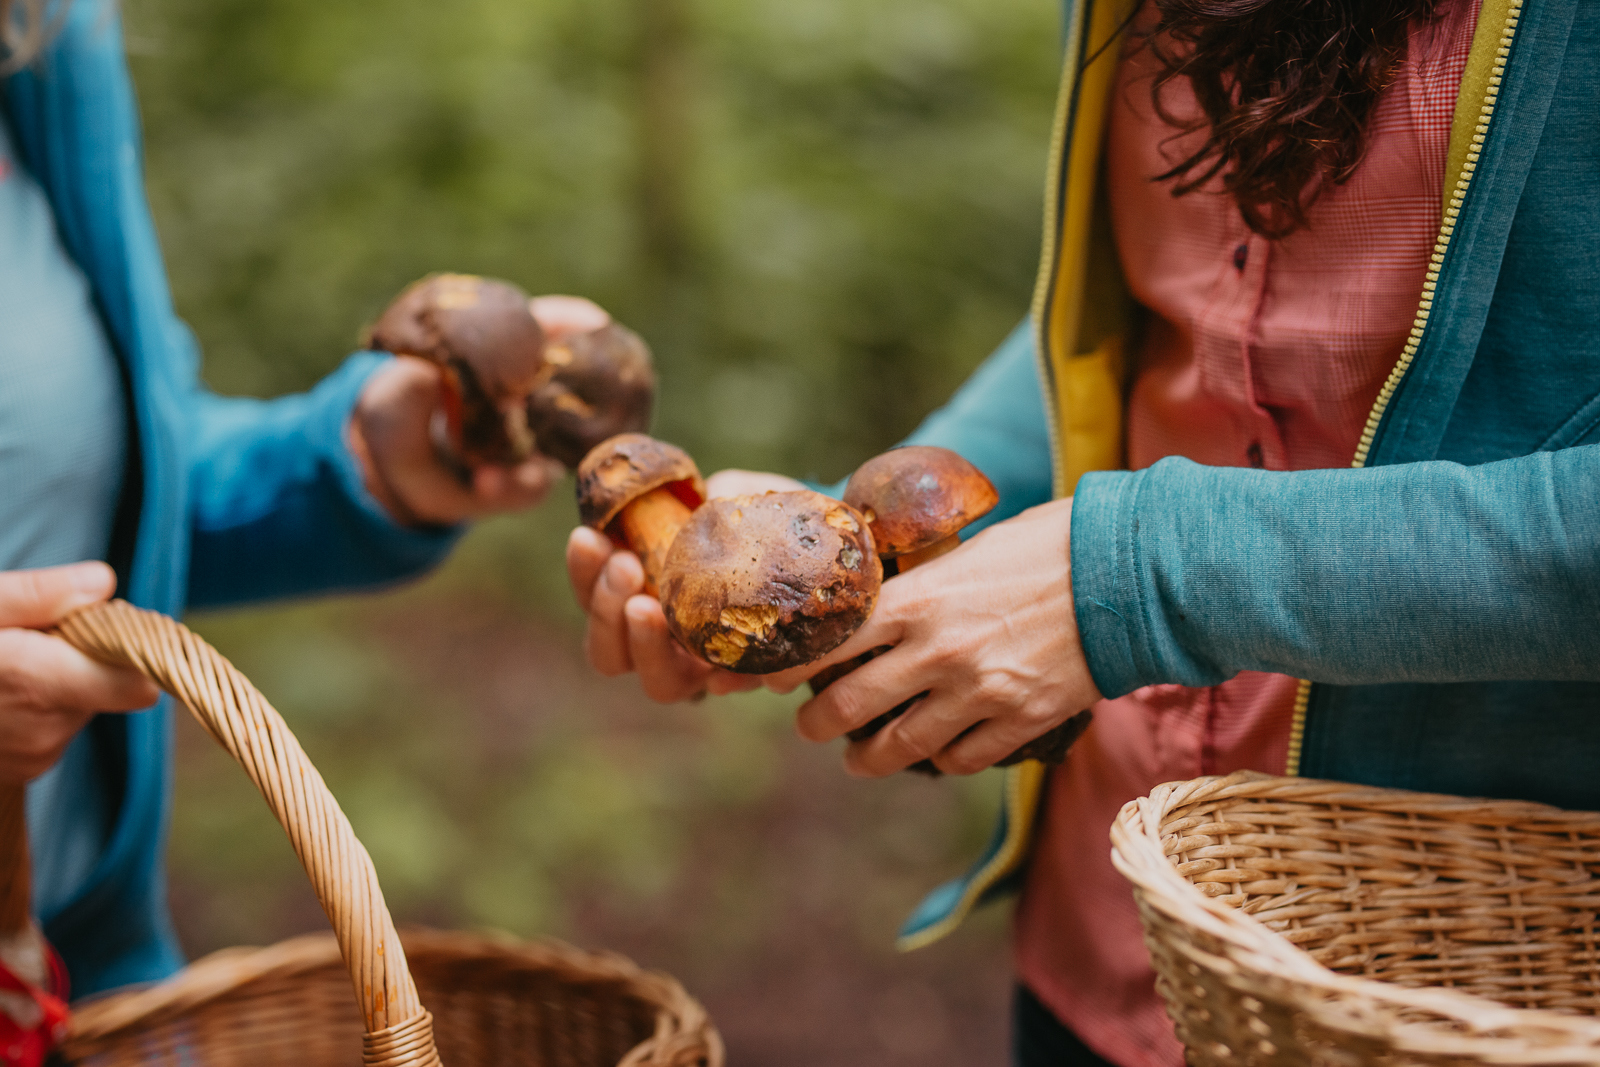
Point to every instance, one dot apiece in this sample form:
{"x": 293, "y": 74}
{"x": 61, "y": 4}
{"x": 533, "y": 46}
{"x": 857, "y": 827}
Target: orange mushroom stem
{"x": 640, "y": 492}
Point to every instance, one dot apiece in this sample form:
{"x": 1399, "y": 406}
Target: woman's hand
{"x": 391, "y": 435}
{"x": 48, "y": 689}
{"x": 627, "y": 630}
{"x": 986, "y": 632}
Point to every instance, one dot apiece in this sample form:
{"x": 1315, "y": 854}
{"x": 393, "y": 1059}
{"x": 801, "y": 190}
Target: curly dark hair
{"x": 1285, "y": 88}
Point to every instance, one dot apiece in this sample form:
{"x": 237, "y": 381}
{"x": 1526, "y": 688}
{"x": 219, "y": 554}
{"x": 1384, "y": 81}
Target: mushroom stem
{"x": 647, "y": 526}
{"x": 906, "y": 560}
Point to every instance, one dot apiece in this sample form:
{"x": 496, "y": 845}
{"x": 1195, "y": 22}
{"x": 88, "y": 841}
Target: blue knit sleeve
{"x": 279, "y": 505}
{"x": 1418, "y": 572}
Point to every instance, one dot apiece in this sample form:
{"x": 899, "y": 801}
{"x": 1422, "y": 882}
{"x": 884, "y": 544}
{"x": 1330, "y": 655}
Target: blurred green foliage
{"x": 822, "y": 215}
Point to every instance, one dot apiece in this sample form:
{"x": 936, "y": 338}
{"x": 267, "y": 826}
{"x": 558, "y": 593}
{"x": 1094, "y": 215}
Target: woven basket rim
{"x": 1464, "y": 1023}
{"x": 215, "y": 976}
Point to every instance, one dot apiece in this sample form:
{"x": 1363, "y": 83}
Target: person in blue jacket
{"x": 112, "y": 452}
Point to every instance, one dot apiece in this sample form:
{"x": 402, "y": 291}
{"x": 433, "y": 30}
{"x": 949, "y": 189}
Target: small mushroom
{"x": 481, "y": 335}
{"x": 757, "y": 584}
{"x": 639, "y": 492}
{"x": 594, "y": 386}
{"x": 918, "y": 499}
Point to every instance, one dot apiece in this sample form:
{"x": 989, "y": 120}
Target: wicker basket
{"x": 1294, "y": 921}
{"x": 493, "y": 1002}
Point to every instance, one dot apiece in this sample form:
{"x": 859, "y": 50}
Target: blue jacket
{"x": 1441, "y": 596}
{"x": 231, "y": 500}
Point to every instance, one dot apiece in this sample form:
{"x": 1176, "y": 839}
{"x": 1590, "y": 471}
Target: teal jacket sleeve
{"x": 1417, "y": 572}
{"x": 278, "y": 502}
{"x": 997, "y": 421}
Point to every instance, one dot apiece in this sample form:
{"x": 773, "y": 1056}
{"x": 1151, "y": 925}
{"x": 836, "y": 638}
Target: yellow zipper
{"x": 1430, "y": 285}
{"x": 1044, "y": 285}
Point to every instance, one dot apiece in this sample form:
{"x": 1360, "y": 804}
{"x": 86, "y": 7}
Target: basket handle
{"x": 399, "y": 1032}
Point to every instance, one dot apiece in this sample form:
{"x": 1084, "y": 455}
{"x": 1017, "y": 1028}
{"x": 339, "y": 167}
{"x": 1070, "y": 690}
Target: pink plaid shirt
{"x": 1258, "y": 353}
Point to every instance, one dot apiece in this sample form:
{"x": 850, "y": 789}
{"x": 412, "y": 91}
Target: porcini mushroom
{"x": 594, "y": 386}
{"x": 918, "y": 499}
{"x": 639, "y": 491}
{"x": 757, "y": 584}
{"x": 490, "y": 350}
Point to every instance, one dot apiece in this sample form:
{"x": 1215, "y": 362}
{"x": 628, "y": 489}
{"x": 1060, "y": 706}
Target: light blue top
{"x": 63, "y": 434}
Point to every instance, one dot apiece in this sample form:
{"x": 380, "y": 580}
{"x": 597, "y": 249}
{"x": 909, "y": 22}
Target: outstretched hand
{"x": 986, "y": 634}
{"x": 391, "y": 435}
{"x": 48, "y": 689}
{"x": 627, "y": 630}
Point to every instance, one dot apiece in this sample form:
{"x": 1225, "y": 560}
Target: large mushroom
{"x": 757, "y": 584}
{"x": 508, "y": 388}
{"x": 918, "y": 499}
{"x": 639, "y": 491}
{"x": 490, "y": 350}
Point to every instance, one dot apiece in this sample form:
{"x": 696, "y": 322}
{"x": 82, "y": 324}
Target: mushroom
{"x": 918, "y": 499}
{"x": 490, "y": 350}
{"x": 757, "y": 584}
{"x": 639, "y": 492}
{"x": 595, "y": 385}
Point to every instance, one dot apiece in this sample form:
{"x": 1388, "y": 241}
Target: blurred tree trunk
{"x": 665, "y": 139}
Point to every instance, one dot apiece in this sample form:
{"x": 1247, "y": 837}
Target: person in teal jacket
{"x": 110, "y": 449}
{"x": 1441, "y": 595}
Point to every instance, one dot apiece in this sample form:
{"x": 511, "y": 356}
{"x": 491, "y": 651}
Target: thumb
{"x": 43, "y": 597}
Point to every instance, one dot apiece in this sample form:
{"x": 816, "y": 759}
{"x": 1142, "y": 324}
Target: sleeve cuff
{"x": 1105, "y": 587}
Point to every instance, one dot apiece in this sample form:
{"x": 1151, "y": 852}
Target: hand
{"x": 391, "y": 436}
{"x": 627, "y": 630}
{"x": 987, "y": 633}
{"x": 48, "y": 689}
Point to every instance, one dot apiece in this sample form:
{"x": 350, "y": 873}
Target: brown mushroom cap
{"x": 917, "y": 496}
{"x": 758, "y": 584}
{"x": 627, "y": 466}
{"x": 596, "y": 385}
{"x": 481, "y": 333}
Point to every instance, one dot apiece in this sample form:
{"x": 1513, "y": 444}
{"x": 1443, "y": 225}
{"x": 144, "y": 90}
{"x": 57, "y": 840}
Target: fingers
{"x": 732, "y": 482}
{"x": 606, "y": 642}
{"x": 927, "y": 728}
{"x": 561, "y": 316}
{"x": 496, "y": 489}
{"x": 667, "y": 672}
{"x": 883, "y": 627}
{"x": 43, "y": 672}
{"x": 861, "y": 696}
{"x": 721, "y": 683}
{"x": 587, "y": 552}
{"x": 43, "y": 597}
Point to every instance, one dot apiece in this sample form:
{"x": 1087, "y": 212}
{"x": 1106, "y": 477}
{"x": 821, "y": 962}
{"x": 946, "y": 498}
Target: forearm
{"x": 280, "y": 508}
{"x": 996, "y": 420}
{"x": 1427, "y": 572}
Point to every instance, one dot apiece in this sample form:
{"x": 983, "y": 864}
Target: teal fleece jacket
{"x": 1444, "y": 600}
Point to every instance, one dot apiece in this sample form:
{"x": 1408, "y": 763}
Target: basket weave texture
{"x": 362, "y": 990}
{"x": 494, "y": 1002}
{"x": 1294, "y": 921}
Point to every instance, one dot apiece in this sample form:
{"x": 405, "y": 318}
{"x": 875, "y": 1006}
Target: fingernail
{"x": 90, "y": 576}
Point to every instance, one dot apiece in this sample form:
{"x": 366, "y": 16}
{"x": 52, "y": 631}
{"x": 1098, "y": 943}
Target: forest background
{"x": 822, "y": 214}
